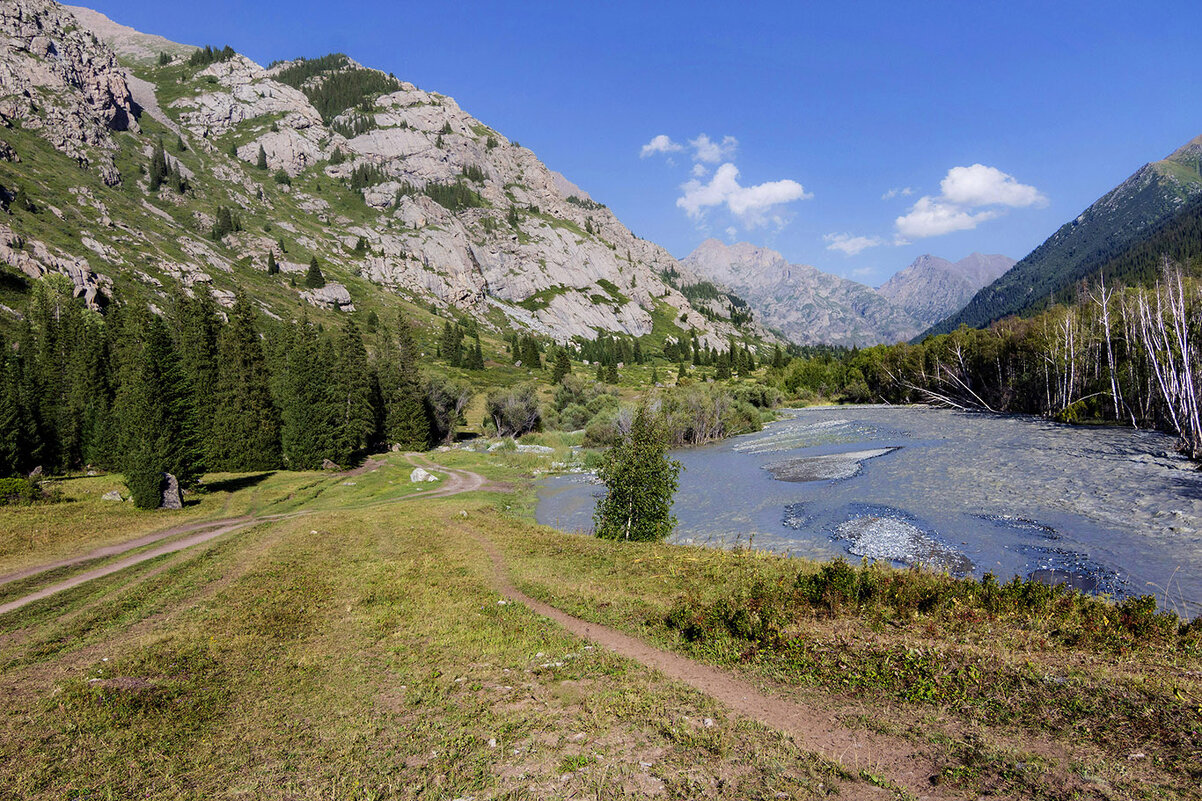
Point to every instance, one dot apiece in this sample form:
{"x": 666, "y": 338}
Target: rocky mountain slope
{"x": 1116, "y": 222}
{"x": 932, "y": 288}
{"x": 805, "y": 304}
{"x": 395, "y": 191}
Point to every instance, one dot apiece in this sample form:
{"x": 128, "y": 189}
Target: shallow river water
{"x": 1110, "y": 510}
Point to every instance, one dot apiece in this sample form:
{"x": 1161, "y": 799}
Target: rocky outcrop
{"x": 807, "y": 305}
{"x": 57, "y": 78}
{"x": 331, "y": 296}
{"x": 35, "y": 260}
{"x": 931, "y": 288}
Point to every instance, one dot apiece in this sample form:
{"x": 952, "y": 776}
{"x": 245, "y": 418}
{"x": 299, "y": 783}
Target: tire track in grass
{"x": 456, "y": 482}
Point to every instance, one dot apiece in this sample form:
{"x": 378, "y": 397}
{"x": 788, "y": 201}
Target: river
{"x": 1110, "y": 510}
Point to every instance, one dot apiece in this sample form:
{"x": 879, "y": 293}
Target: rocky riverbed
{"x": 1107, "y": 510}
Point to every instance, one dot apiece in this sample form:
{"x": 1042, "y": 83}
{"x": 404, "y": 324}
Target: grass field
{"x": 362, "y": 651}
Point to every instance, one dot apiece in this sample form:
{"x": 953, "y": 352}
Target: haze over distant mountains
{"x": 810, "y": 307}
{"x": 931, "y": 288}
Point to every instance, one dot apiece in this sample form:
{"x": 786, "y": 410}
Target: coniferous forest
{"x": 189, "y": 392}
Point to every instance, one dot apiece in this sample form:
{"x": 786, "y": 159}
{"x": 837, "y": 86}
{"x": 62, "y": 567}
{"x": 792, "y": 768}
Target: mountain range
{"x": 809, "y": 306}
{"x": 397, "y": 193}
{"x": 133, "y": 165}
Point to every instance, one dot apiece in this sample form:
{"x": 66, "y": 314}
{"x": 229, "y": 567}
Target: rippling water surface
{"x": 1107, "y": 509}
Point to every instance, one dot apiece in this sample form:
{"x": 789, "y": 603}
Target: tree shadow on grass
{"x": 237, "y": 482}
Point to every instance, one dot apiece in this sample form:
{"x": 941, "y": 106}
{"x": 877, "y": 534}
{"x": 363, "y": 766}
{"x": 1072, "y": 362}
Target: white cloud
{"x": 966, "y": 192}
{"x": 935, "y": 217}
{"x": 904, "y": 191}
{"x": 751, "y": 205}
{"x": 660, "y": 144}
{"x": 979, "y": 185}
{"x": 700, "y": 170}
{"x": 851, "y": 245}
{"x": 711, "y": 152}
{"x": 731, "y": 233}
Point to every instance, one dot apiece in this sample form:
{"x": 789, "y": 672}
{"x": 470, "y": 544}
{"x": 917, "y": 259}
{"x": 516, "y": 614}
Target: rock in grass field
{"x": 420, "y": 475}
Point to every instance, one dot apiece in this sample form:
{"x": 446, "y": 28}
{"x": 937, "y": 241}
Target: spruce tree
{"x": 245, "y": 422}
{"x": 157, "y": 413}
{"x": 640, "y": 481}
{"x": 158, "y": 167}
{"x": 350, "y": 394}
{"x": 306, "y": 424}
{"x": 14, "y": 424}
{"x": 261, "y": 159}
{"x": 407, "y": 423}
{"x": 313, "y": 278}
{"x": 563, "y": 366}
{"x": 197, "y": 329}
{"x": 90, "y": 393}
{"x": 611, "y": 373}
{"x": 723, "y": 371}
{"x": 476, "y": 360}
{"x": 273, "y": 267}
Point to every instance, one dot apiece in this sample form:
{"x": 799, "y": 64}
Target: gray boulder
{"x": 112, "y": 495}
{"x": 172, "y": 498}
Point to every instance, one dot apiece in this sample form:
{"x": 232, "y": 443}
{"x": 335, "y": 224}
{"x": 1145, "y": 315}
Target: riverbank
{"x": 366, "y": 650}
{"x": 1109, "y": 510}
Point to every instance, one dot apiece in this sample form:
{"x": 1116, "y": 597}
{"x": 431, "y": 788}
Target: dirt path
{"x": 205, "y": 534}
{"x": 811, "y": 728}
{"x": 119, "y": 548}
{"x": 456, "y": 482}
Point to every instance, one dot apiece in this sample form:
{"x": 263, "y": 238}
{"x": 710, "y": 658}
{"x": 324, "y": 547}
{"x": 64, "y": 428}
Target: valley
{"x": 350, "y": 450}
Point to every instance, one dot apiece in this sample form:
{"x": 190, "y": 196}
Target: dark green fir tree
{"x": 246, "y": 425}
{"x": 407, "y": 422}
{"x": 313, "y": 277}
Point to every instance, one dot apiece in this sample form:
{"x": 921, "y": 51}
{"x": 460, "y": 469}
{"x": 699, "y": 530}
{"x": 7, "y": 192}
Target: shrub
{"x": 515, "y": 411}
{"x": 19, "y": 491}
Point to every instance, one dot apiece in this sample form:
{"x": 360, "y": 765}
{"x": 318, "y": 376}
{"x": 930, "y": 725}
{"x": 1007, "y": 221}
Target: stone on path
{"x": 418, "y": 475}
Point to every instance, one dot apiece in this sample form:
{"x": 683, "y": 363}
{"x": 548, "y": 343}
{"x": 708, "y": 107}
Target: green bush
{"x": 19, "y": 491}
{"x": 514, "y": 412}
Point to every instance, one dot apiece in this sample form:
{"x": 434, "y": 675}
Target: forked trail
{"x": 812, "y": 728}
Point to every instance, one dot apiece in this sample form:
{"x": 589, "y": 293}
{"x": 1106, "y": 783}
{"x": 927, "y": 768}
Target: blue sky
{"x": 1002, "y": 120}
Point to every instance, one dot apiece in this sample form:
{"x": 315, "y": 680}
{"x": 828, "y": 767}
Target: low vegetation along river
{"x": 1109, "y": 510}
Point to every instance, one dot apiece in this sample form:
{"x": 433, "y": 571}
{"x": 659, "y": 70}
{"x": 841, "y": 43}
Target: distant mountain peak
{"x": 931, "y": 288}
{"x": 807, "y": 305}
